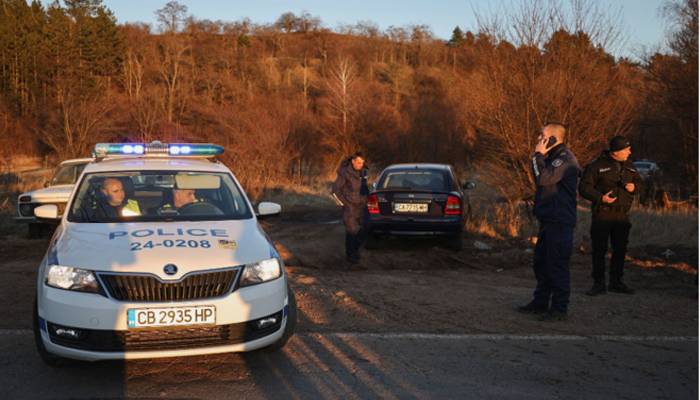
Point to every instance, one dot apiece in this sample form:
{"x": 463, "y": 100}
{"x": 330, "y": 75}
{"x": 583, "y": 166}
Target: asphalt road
{"x": 387, "y": 365}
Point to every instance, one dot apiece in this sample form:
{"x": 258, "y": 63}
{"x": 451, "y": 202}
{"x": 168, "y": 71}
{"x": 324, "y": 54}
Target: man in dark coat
{"x": 556, "y": 172}
{"x": 610, "y": 182}
{"x": 350, "y": 190}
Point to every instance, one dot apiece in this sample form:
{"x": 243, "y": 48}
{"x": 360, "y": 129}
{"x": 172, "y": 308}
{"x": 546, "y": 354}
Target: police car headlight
{"x": 260, "y": 272}
{"x": 70, "y": 278}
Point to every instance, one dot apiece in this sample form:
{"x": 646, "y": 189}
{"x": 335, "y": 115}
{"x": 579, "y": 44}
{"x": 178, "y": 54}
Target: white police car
{"x": 159, "y": 254}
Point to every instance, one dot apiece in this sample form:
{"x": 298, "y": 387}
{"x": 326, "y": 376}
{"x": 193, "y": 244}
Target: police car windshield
{"x": 157, "y": 196}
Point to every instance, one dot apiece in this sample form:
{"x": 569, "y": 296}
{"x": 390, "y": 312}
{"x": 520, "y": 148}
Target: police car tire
{"x": 49, "y": 359}
{"x": 291, "y": 325}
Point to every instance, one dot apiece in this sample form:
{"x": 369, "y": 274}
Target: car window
{"x": 158, "y": 196}
{"x": 644, "y": 165}
{"x": 415, "y": 179}
{"x": 67, "y": 174}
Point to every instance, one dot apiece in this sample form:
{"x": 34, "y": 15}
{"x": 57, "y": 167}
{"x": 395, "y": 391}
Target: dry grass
{"x": 658, "y": 227}
{"x": 290, "y": 195}
{"x": 501, "y": 220}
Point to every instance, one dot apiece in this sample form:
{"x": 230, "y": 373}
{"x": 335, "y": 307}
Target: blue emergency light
{"x": 158, "y": 148}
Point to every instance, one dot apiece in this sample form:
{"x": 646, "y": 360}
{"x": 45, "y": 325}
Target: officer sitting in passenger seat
{"x": 112, "y": 203}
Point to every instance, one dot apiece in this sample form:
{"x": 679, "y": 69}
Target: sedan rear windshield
{"x": 415, "y": 180}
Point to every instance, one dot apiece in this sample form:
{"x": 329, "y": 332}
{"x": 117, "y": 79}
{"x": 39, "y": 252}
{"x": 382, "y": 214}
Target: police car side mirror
{"x": 47, "y": 211}
{"x": 266, "y": 209}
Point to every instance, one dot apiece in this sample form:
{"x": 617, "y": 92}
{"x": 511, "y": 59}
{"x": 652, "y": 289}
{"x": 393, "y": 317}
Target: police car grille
{"x": 126, "y": 287}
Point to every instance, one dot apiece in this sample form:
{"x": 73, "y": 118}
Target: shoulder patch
{"x": 557, "y": 162}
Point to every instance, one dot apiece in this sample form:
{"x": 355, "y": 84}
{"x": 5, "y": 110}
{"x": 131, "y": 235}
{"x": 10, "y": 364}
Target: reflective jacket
{"x": 105, "y": 211}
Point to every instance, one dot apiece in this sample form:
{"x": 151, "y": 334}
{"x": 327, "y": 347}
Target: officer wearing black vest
{"x": 556, "y": 172}
{"x": 610, "y": 183}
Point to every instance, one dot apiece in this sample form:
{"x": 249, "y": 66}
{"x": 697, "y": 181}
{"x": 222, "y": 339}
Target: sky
{"x": 643, "y": 25}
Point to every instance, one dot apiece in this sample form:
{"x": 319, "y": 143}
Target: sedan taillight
{"x": 373, "y": 204}
{"x": 453, "y": 206}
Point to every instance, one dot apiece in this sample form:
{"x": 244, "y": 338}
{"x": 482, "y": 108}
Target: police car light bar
{"x": 158, "y": 148}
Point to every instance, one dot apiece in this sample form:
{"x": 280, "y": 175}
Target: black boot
{"x": 620, "y": 288}
{"x": 597, "y": 289}
{"x": 532, "y": 308}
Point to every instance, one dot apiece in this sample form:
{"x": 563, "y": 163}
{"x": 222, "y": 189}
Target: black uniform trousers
{"x": 613, "y": 228}
{"x": 551, "y": 264}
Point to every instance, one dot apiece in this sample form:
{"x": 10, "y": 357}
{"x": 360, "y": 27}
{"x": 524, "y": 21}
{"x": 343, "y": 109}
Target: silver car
{"x": 56, "y": 191}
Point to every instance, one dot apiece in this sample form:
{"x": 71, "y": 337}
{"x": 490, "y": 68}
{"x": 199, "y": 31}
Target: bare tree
{"x": 77, "y": 124}
{"x": 172, "y": 52}
{"x": 340, "y": 84}
{"x": 551, "y": 69}
{"x": 172, "y": 16}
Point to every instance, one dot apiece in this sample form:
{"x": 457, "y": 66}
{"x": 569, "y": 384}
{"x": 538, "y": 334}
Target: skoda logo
{"x": 170, "y": 269}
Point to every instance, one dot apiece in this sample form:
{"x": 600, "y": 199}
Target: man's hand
{"x": 541, "y": 146}
{"x": 608, "y": 199}
{"x": 630, "y": 187}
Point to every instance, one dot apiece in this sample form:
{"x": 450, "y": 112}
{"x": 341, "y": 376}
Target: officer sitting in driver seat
{"x": 181, "y": 198}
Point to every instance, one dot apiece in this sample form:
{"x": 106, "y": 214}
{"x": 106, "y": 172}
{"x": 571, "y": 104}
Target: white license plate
{"x": 411, "y": 207}
{"x": 171, "y": 316}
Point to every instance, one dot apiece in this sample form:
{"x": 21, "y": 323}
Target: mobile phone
{"x": 551, "y": 142}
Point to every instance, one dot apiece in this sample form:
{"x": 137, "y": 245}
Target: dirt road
{"x": 421, "y": 322}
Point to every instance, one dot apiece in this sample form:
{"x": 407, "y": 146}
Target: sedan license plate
{"x": 411, "y": 207}
{"x": 171, "y": 316}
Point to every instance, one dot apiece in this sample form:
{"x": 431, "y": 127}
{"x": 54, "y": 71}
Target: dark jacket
{"x": 603, "y": 175}
{"x": 350, "y": 187}
{"x": 556, "y": 177}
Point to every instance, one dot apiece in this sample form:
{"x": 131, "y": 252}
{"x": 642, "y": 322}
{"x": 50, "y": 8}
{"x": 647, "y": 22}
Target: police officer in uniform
{"x": 556, "y": 172}
{"x": 350, "y": 191}
{"x": 181, "y": 198}
{"x": 610, "y": 183}
{"x": 111, "y": 202}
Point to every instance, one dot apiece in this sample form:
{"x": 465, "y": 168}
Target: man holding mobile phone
{"x": 556, "y": 172}
{"x": 610, "y": 183}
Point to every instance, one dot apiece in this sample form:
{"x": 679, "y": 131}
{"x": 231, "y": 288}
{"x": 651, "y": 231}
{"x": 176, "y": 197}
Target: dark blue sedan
{"x": 418, "y": 200}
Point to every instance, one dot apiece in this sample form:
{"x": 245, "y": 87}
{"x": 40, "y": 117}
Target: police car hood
{"x": 59, "y": 193}
{"x": 148, "y": 247}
